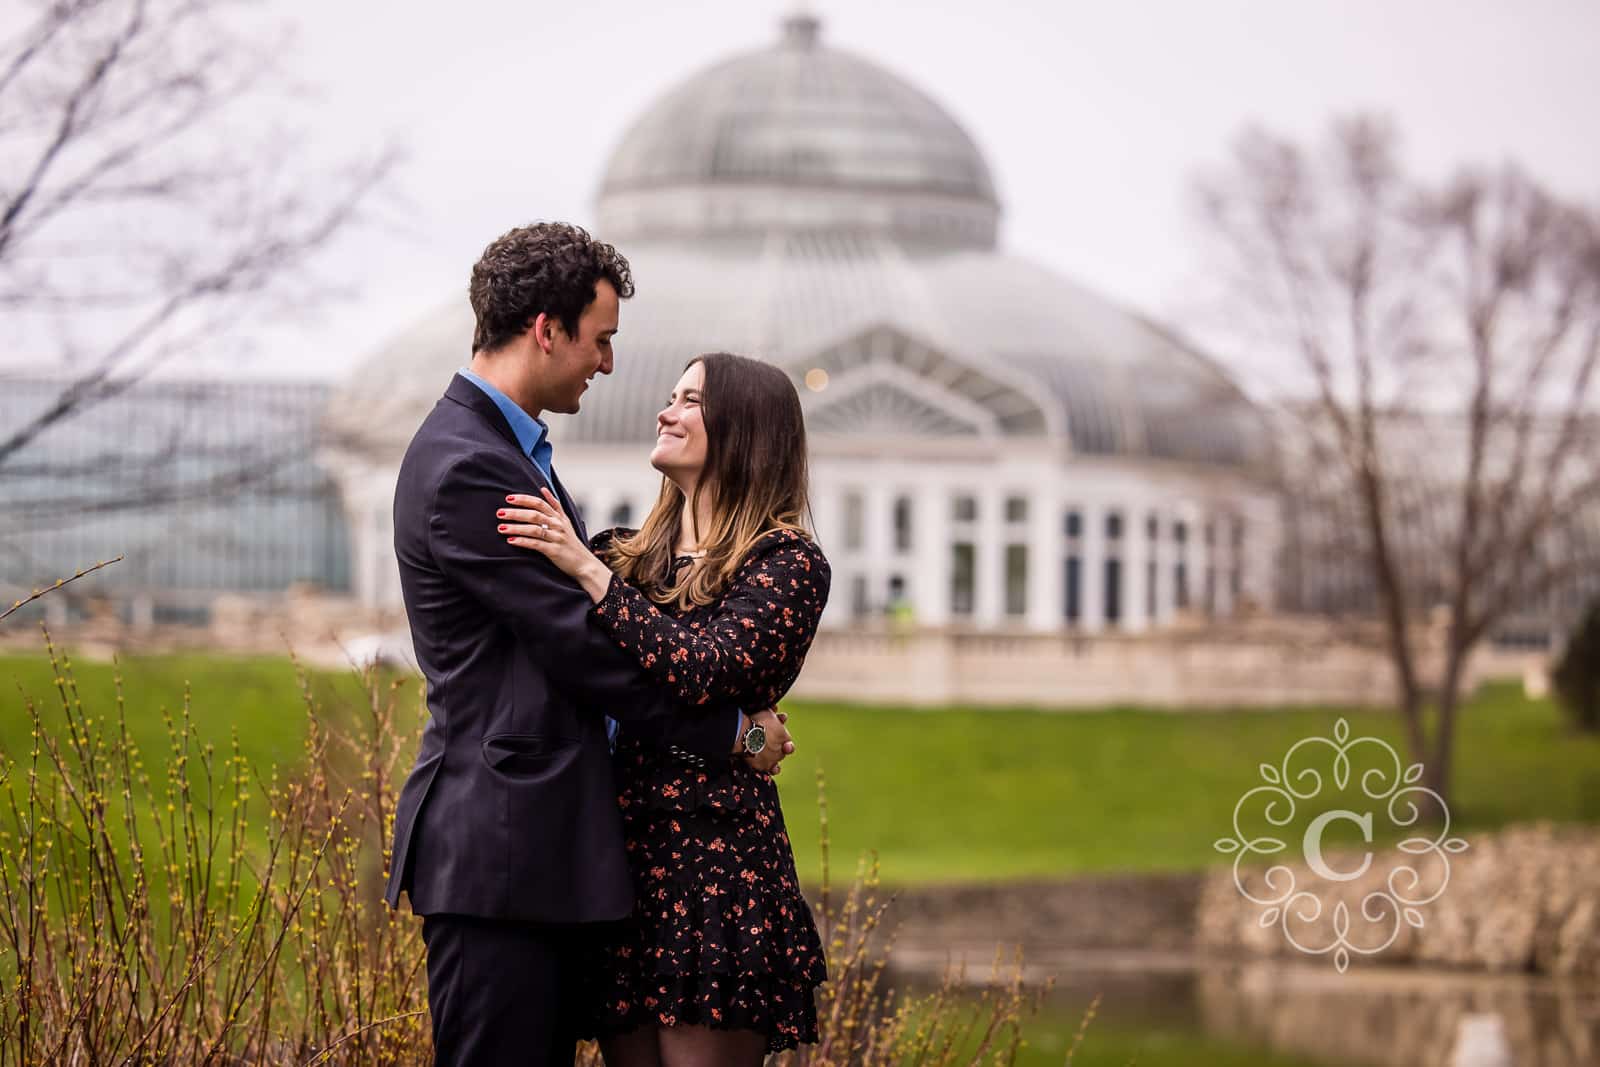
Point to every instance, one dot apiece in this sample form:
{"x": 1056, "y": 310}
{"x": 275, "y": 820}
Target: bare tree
{"x": 147, "y": 201}
{"x": 1439, "y": 419}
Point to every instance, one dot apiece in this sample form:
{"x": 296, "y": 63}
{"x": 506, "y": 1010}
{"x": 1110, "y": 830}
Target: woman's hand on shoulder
{"x": 539, "y": 524}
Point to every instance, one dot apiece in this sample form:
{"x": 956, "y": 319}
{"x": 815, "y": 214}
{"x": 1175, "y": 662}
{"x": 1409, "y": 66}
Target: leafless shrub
{"x": 178, "y": 908}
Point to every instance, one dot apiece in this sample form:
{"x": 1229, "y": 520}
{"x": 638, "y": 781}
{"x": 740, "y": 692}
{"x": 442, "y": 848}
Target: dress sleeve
{"x": 750, "y": 649}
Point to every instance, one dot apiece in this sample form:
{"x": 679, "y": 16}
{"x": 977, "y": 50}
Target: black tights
{"x": 685, "y": 1046}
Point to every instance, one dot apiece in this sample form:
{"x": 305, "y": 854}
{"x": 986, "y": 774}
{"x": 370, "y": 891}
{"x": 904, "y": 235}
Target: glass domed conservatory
{"x": 993, "y": 446}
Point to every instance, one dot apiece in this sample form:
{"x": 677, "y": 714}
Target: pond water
{"x": 1180, "y": 1012}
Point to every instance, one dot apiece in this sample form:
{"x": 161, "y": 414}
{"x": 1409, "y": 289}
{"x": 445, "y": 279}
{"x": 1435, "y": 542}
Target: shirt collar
{"x": 530, "y": 432}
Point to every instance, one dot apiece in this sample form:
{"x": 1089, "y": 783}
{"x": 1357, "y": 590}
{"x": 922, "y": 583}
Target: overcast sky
{"x": 1093, "y": 116}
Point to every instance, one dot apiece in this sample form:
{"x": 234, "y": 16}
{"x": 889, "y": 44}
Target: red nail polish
{"x": 500, "y": 514}
{"x": 510, "y": 500}
{"x": 502, "y": 529}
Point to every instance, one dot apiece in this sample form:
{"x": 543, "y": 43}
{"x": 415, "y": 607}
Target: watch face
{"x": 755, "y": 739}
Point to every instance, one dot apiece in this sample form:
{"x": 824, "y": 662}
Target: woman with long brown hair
{"x": 717, "y": 595}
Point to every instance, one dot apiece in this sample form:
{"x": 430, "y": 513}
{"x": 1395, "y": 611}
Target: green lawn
{"x": 257, "y": 696}
{"x": 965, "y": 794}
{"x": 950, "y": 795}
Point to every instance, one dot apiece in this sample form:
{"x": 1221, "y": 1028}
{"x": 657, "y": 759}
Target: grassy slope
{"x": 953, "y": 795}
{"x": 999, "y": 794}
{"x": 257, "y": 696}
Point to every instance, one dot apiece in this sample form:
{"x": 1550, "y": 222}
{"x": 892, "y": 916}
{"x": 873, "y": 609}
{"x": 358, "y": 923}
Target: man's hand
{"x": 779, "y": 743}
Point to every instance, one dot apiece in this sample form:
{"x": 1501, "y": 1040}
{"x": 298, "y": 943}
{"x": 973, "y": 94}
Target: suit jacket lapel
{"x": 464, "y": 392}
{"x": 571, "y": 509}
{"x": 468, "y": 395}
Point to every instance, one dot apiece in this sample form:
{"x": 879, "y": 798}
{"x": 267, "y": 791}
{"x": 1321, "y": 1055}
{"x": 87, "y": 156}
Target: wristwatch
{"x": 755, "y": 739}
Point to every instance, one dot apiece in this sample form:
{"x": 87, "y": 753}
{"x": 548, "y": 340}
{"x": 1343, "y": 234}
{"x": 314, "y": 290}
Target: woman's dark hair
{"x": 756, "y": 472}
{"x": 548, "y": 267}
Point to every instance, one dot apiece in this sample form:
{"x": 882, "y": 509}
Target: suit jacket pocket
{"x": 524, "y": 754}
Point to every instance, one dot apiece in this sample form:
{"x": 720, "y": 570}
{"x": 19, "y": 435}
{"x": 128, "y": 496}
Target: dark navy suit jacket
{"x": 510, "y": 811}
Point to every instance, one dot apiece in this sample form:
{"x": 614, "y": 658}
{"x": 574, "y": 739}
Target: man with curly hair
{"x": 507, "y": 836}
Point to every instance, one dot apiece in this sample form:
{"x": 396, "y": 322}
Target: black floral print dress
{"x": 721, "y": 935}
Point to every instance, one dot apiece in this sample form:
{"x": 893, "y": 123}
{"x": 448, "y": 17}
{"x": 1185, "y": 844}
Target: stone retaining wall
{"x": 1526, "y": 899}
{"x": 1271, "y": 661}
{"x": 1146, "y": 912}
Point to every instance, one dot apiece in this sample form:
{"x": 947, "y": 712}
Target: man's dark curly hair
{"x": 548, "y": 267}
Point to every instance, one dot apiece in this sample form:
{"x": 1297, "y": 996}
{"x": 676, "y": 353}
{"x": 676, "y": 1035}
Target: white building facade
{"x": 992, "y": 446}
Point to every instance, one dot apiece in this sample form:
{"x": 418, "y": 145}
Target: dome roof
{"x": 803, "y": 206}
{"x": 935, "y": 344}
{"x": 848, "y": 143}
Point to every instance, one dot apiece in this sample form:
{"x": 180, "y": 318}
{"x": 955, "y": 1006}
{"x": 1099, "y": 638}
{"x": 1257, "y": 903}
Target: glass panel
{"x": 854, "y": 520}
{"x": 902, "y": 524}
{"x": 1113, "y": 591}
{"x": 1016, "y": 579}
{"x": 860, "y": 605}
{"x": 962, "y": 574}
